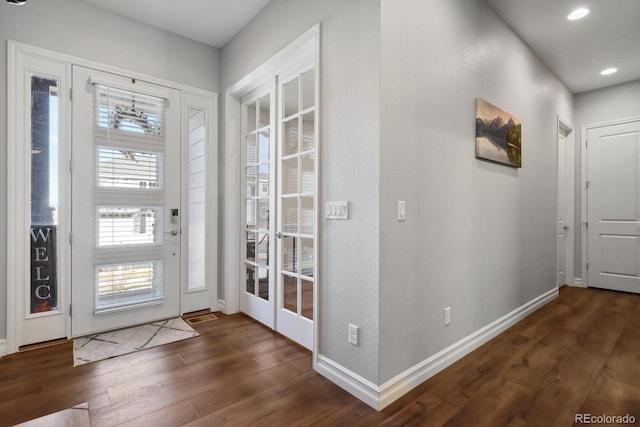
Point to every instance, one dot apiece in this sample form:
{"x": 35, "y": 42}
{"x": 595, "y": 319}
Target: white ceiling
{"x": 576, "y": 51}
{"x": 213, "y": 22}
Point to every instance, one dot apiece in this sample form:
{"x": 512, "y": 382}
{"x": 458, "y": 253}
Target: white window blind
{"x": 129, "y": 144}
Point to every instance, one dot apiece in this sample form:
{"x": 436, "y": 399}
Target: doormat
{"x": 123, "y": 341}
{"x": 75, "y": 416}
{"x": 200, "y": 318}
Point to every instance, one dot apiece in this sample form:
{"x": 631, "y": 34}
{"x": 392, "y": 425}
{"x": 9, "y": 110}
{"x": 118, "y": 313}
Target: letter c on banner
{"x": 38, "y": 291}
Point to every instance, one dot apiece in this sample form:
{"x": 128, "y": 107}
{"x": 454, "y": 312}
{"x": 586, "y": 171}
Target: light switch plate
{"x": 402, "y": 210}
{"x": 337, "y": 210}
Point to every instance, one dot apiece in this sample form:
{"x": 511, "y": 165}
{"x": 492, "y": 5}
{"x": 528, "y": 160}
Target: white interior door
{"x": 562, "y": 225}
{"x": 126, "y": 200}
{"x": 297, "y": 243}
{"x": 258, "y": 250}
{"x": 279, "y": 180}
{"x": 613, "y": 206}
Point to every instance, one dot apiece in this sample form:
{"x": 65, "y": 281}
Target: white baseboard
{"x": 378, "y": 397}
{"x": 577, "y": 281}
{"x": 3, "y": 347}
{"x": 222, "y": 305}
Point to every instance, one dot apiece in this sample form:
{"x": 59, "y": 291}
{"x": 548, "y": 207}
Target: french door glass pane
{"x": 44, "y": 195}
{"x": 290, "y": 176}
{"x": 308, "y": 132}
{"x": 263, "y": 214}
{"x": 308, "y": 89}
{"x": 251, "y": 246}
{"x": 251, "y": 173}
{"x": 251, "y": 279}
{"x": 252, "y": 149}
{"x": 251, "y": 117}
{"x": 290, "y": 293}
{"x": 306, "y": 291}
{"x": 291, "y": 97}
{"x": 263, "y": 146}
{"x": 307, "y": 222}
{"x": 290, "y": 137}
{"x": 306, "y": 257}
{"x": 263, "y": 283}
{"x": 263, "y": 249}
{"x": 289, "y": 255}
{"x": 308, "y": 182}
{"x": 265, "y": 110}
{"x": 290, "y": 215}
{"x": 251, "y": 214}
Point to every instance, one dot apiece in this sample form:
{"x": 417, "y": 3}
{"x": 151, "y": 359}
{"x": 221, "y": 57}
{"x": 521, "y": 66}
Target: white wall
{"x": 80, "y": 29}
{"x": 479, "y": 237}
{"x": 598, "y": 106}
{"x": 349, "y": 158}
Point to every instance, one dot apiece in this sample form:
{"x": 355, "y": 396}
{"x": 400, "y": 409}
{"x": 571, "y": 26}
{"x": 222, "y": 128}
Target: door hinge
{"x": 70, "y": 311}
{"x": 586, "y": 225}
{"x": 70, "y": 238}
{"x": 71, "y": 166}
{"x": 587, "y": 266}
{"x": 71, "y": 93}
{"x": 587, "y": 184}
{"x": 586, "y": 144}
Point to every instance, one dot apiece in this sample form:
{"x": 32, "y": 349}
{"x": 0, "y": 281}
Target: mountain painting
{"x": 498, "y": 135}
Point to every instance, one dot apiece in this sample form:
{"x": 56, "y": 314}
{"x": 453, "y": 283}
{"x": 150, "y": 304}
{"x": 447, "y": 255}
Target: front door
{"x": 613, "y": 205}
{"x": 126, "y": 200}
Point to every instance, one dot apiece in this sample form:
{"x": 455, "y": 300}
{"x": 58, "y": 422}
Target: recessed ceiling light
{"x": 608, "y": 71}
{"x": 578, "y": 14}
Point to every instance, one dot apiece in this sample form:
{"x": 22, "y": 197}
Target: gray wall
{"x": 80, "y": 29}
{"x": 479, "y": 237}
{"x": 598, "y": 106}
{"x": 349, "y": 156}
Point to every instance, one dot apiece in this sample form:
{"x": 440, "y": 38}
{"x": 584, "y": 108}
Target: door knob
{"x": 566, "y": 228}
{"x": 279, "y": 235}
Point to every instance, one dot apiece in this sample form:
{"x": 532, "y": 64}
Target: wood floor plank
{"x": 612, "y": 397}
{"x": 581, "y": 352}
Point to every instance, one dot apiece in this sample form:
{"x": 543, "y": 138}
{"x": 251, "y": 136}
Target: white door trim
{"x": 583, "y": 184}
{"x": 17, "y": 270}
{"x": 566, "y": 126}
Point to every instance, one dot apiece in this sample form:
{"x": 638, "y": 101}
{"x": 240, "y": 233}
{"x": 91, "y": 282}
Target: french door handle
{"x": 279, "y": 235}
{"x": 172, "y": 232}
{"x": 566, "y": 228}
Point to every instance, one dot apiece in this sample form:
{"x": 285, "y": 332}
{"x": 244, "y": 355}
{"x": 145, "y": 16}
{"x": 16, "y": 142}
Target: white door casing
{"x": 126, "y": 200}
{"x": 613, "y": 206}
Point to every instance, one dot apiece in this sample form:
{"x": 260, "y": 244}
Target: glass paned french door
{"x": 256, "y": 296}
{"x": 126, "y": 199}
{"x": 297, "y": 206}
{"x": 279, "y": 137}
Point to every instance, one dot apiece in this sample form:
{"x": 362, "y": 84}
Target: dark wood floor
{"x": 578, "y": 354}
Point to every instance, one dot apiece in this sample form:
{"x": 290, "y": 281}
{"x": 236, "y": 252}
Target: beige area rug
{"x": 123, "y": 341}
{"x": 77, "y": 416}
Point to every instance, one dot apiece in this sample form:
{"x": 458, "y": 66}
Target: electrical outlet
{"x": 447, "y": 315}
{"x": 353, "y": 334}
